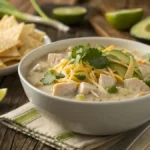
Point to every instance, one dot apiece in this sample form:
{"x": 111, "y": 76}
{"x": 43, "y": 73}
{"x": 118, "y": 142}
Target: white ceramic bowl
{"x": 92, "y": 118}
{"x": 13, "y": 68}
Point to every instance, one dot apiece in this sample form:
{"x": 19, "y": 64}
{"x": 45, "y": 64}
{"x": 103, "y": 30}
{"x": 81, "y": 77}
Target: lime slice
{"x": 124, "y": 19}
{"x": 2, "y": 93}
{"x": 69, "y": 15}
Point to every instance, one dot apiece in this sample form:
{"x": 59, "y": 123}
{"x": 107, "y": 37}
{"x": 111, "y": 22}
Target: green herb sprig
{"x": 91, "y": 55}
{"x": 50, "y": 77}
{"x": 112, "y": 90}
{"x": 80, "y": 76}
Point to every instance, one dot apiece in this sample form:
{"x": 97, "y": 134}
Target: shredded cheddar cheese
{"x": 141, "y": 61}
{"x": 111, "y": 72}
{"x": 72, "y": 70}
{"x": 92, "y": 74}
{"x": 124, "y": 51}
{"x": 119, "y": 79}
{"x": 111, "y": 47}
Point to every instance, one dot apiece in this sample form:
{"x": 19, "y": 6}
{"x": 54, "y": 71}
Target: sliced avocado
{"x": 136, "y": 75}
{"x": 111, "y": 56}
{"x": 121, "y": 70}
{"x": 141, "y": 30}
{"x": 120, "y": 55}
{"x": 129, "y": 54}
{"x": 137, "y": 70}
{"x": 125, "y": 57}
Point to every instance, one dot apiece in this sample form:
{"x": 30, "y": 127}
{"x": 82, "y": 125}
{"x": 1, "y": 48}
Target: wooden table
{"x": 12, "y": 140}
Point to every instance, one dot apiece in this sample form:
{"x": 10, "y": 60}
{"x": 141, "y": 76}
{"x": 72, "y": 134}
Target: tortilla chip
{"x": 10, "y": 63}
{"x": 28, "y": 29}
{"x": 38, "y": 35}
{"x": 16, "y": 40}
{"x": 1, "y": 62}
{"x": 3, "y": 19}
{"x": 15, "y": 32}
{"x": 12, "y": 52}
{"x": 10, "y": 38}
{"x": 8, "y": 22}
{"x": 7, "y": 59}
{"x": 2, "y": 65}
{"x": 29, "y": 43}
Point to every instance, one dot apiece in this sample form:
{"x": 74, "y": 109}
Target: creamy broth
{"x": 59, "y": 75}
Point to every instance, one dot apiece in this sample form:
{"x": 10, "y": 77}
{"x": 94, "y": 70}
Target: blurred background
{"x": 25, "y": 4}
{"x": 94, "y": 23}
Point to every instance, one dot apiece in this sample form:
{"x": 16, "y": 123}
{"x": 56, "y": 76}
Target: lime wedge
{"x": 3, "y": 93}
{"x": 124, "y": 19}
{"x": 69, "y": 15}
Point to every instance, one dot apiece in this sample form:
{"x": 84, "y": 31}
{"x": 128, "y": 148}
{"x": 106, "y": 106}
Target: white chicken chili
{"x": 93, "y": 73}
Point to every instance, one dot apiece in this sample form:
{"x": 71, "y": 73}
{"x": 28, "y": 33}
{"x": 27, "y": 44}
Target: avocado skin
{"x": 142, "y": 40}
{"x": 137, "y": 31}
{"x": 70, "y": 20}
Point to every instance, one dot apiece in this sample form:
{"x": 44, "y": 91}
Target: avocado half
{"x": 141, "y": 30}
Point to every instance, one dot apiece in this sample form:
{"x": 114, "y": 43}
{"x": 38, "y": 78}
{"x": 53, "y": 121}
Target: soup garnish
{"x": 93, "y": 73}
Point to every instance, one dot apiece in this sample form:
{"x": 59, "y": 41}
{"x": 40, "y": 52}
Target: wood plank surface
{"x": 12, "y": 140}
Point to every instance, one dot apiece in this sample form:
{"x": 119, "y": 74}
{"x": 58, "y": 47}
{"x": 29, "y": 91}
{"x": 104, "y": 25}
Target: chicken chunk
{"x": 85, "y": 88}
{"x": 54, "y": 58}
{"x": 40, "y": 67}
{"x": 123, "y": 91}
{"x": 106, "y": 81}
{"x": 60, "y": 89}
{"x": 136, "y": 85}
{"x": 145, "y": 70}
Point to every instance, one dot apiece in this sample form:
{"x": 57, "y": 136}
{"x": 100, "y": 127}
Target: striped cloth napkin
{"x": 27, "y": 120}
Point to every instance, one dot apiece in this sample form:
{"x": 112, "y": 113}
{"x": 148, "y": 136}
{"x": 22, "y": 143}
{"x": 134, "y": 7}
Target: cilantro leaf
{"x": 100, "y": 47}
{"x": 77, "y": 60}
{"x": 80, "y": 50}
{"x": 80, "y": 76}
{"x": 88, "y": 54}
{"x": 95, "y": 58}
{"x": 60, "y": 75}
{"x": 49, "y": 77}
{"x": 91, "y": 54}
{"x": 99, "y": 63}
{"x": 112, "y": 90}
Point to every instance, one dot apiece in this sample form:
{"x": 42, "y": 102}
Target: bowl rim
{"x": 67, "y": 100}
